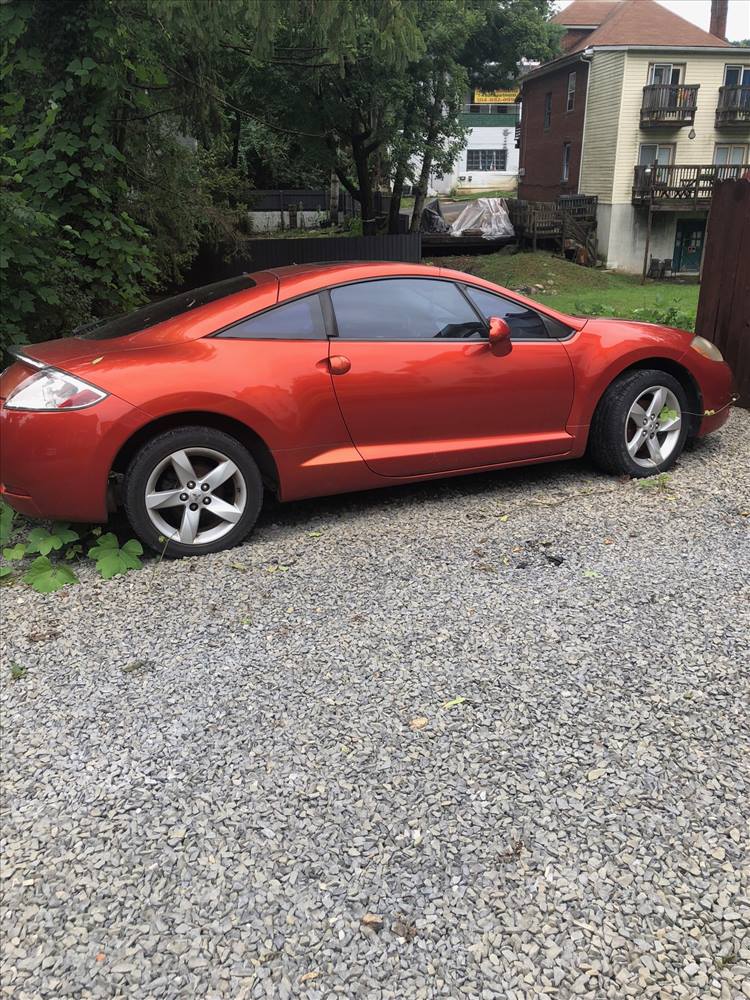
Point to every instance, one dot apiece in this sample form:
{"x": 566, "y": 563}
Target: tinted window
{"x": 524, "y": 323}
{"x": 404, "y": 309}
{"x": 298, "y": 320}
{"x": 158, "y": 312}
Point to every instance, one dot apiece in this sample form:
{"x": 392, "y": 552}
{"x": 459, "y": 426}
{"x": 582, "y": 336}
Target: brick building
{"x": 646, "y": 111}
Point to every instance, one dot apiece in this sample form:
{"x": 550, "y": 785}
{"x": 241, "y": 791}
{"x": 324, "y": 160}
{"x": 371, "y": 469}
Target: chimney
{"x": 718, "y": 25}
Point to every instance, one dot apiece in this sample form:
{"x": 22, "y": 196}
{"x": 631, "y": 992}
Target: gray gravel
{"x": 213, "y": 770}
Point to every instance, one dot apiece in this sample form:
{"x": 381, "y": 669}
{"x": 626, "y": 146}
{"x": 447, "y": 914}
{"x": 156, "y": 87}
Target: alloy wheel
{"x": 195, "y": 496}
{"x": 652, "y": 428}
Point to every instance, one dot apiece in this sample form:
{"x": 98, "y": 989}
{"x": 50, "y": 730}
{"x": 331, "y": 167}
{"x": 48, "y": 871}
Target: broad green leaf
{"x": 15, "y": 553}
{"x": 45, "y": 576}
{"x": 667, "y": 414}
{"x": 111, "y": 559}
{"x": 104, "y": 545}
{"x": 43, "y": 541}
{"x": 5, "y": 571}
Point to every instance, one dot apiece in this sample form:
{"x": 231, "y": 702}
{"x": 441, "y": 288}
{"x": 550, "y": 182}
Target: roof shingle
{"x": 634, "y": 22}
{"x": 584, "y": 13}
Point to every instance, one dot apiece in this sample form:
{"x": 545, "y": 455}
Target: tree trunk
{"x": 420, "y": 192}
{"x": 395, "y": 207}
{"x": 333, "y": 201}
{"x": 424, "y": 173}
{"x": 364, "y": 182}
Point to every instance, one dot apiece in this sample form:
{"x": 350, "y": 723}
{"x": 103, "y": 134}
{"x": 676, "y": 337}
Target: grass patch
{"x": 581, "y": 291}
{"x": 474, "y": 195}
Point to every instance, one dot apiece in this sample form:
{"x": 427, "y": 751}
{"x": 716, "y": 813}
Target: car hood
{"x": 604, "y": 325}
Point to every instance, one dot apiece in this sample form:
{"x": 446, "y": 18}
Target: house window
{"x": 652, "y": 152}
{"x": 566, "y": 161}
{"x": 547, "y": 110}
{"x": 665, "y": 73}
{"x": 737, "y": 76}
{"x": 571, "y": 91}
{"x": 733, "y": 154}
{"x": 486, "y": 159}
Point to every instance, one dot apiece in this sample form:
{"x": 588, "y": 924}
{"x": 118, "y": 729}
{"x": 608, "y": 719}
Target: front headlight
{"x": 706, "y": 348}
{"x": 50, "y": 389}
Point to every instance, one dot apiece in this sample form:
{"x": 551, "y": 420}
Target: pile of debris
{"x": 485, "y": 218}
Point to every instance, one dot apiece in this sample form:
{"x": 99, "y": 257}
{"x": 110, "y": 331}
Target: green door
{"x": 688, "y": 245}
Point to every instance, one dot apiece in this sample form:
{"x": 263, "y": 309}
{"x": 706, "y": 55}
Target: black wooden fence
{"x": 724, "y": 303}
{"x": 261, "y": 254}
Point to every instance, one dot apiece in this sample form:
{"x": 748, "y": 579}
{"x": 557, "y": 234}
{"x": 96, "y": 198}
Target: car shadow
{"x": 475, "y": 486}
{"x": 494, "y": 485}
{"x": 510, "y": 484}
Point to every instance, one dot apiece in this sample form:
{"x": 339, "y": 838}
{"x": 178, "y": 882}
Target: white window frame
{"x": 571, "y": 99}
{"x": 672, "y": 67}
{"x": 742, "y": 67}
{"x": 497, "y": 154}
{"x": 657, "y": 146}
{"x": 566, "y": 156}
{"x": 731, "y": 146}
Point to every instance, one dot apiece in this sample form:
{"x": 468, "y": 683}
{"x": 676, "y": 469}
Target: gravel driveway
{"x": 503, "y": 718}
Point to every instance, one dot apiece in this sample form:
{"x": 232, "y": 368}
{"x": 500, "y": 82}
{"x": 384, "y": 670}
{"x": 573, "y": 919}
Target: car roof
{"x": 300, "y": 278}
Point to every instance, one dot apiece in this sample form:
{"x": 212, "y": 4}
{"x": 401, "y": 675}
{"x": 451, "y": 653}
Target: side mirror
{"x": 500, "y": 342}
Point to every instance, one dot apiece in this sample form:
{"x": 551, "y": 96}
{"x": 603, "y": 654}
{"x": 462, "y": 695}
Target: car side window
{"x": 301, "y": 319}
{"x": 405, "y": 309}
{"x": 524, "y": 323}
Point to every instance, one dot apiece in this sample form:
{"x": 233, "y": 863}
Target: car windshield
{"x": 158, "y": 312}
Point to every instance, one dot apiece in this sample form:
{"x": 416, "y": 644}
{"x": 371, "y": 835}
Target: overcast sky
{"x": 699, "y": 12}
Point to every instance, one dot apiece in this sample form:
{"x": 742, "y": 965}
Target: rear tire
{"x": 192, "y": 491}
{"x": 640, "y": 425}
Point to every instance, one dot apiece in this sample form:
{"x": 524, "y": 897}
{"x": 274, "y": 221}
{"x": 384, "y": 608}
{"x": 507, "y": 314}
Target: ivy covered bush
{"x": 103, "y": 199}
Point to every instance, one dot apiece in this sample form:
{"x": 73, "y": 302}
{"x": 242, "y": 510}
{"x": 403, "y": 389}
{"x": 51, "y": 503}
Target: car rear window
{"x": 159, "y": 312}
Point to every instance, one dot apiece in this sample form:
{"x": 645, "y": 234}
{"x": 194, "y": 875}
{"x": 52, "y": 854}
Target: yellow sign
{"x": 495, "y": 96}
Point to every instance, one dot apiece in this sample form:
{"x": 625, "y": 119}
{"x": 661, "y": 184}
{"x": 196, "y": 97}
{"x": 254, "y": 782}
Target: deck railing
{"x": 669, "y": 104}
{"x": 733, "y": 107}
{"x": 489, "y": 109}
{"x": 681, "y": 185}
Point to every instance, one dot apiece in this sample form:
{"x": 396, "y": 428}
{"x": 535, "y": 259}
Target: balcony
{"x": 489, "y": 115}
{"x": 489, "y": 109}
{"x": 733, "y": 108}
{"x": 678, "y": 187}
{"x": 669, "y": 105}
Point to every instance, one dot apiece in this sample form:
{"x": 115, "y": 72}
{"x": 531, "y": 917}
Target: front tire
{"x": 640, "y": 425}
{"x": 192, "y": 491}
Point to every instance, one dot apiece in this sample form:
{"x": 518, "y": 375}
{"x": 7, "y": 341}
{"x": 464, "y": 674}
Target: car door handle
{"x": 338, "y": 364}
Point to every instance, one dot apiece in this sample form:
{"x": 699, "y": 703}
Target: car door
{"x": 421, "y": 390}
{"x": 271, "y": 368}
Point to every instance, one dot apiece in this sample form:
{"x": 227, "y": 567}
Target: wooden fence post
{"x": 724, "y": 303}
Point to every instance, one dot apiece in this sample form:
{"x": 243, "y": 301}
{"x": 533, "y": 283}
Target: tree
{"x": 101, "y": 193}
{"x": 333, "y": 74}
{"x": 131, "y": 131}
{"x": 476, "y": 43}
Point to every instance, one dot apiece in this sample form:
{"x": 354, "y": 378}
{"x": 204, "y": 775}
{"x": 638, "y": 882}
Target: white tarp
{"x": 488, "y": 215}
